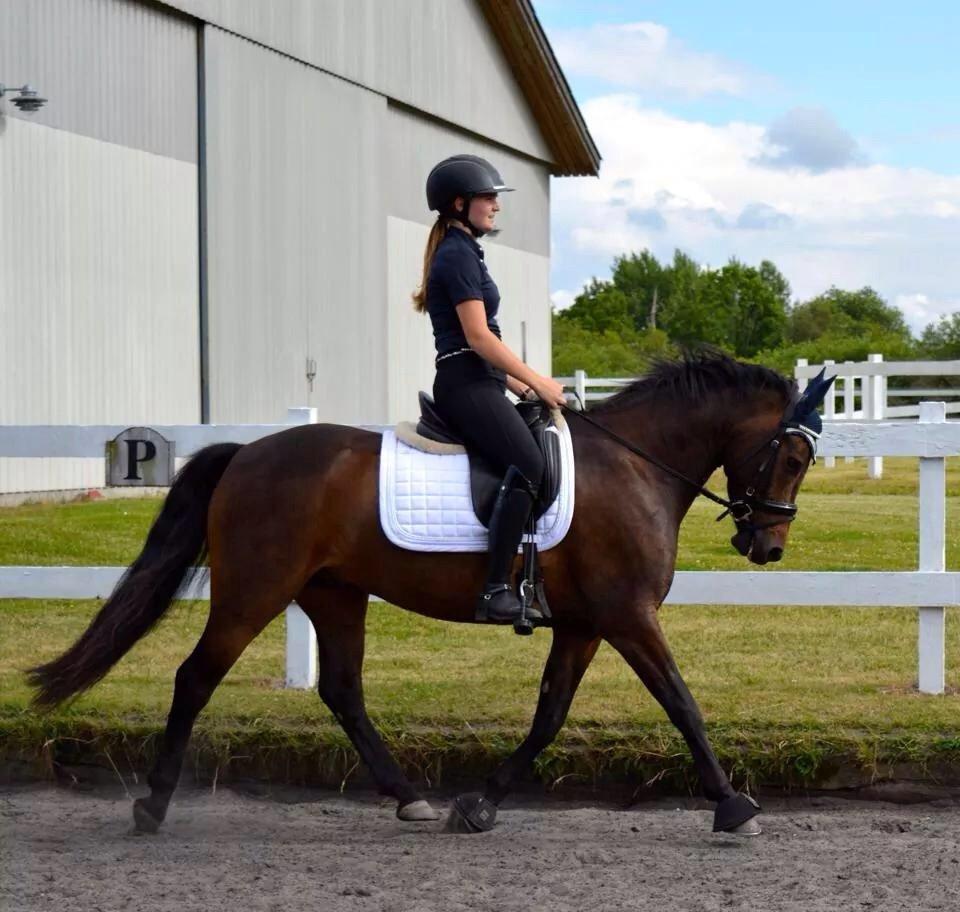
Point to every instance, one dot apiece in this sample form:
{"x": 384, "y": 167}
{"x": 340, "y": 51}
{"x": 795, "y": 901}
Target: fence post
{"x": 849, "y": 401}
{"x": 932, "y": 508}
{"x": 301, "y": 639}
{"x": 801, "y": 362}
{"x": 830, "y": 412}
{"x": 876, "y": 397}
{"x": 580, "y": 385}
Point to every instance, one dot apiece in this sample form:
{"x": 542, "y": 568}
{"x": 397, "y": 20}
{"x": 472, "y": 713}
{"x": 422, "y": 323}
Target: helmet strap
{"x": 463, "y": 216}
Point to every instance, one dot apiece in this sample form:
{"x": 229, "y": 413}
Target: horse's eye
{"x": 794, "y": 464}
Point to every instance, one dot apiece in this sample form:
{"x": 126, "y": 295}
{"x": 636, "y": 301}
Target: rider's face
{"x": 483, "y": 211}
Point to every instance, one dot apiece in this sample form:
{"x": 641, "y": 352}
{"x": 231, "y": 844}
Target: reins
{"x": 738, "y": 509}
{"x": 742, "y": 509}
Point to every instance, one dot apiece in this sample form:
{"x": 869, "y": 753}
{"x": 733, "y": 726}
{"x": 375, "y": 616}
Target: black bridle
{"x": 743, "y": 508}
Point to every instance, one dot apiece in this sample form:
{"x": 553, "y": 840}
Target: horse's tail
{"x": 177, "y": 542}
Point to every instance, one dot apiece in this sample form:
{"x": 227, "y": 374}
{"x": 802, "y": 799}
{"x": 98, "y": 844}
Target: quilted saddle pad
{"x": 426, "y": 505}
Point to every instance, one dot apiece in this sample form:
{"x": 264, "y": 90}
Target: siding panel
{"x": 296, "y": 235}
{"x": 114, "y": 70}
{"x": 98, "y": 291}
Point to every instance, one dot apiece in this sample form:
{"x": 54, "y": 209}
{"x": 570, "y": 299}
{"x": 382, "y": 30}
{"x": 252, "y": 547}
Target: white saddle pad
{"x": 426, "y": 505}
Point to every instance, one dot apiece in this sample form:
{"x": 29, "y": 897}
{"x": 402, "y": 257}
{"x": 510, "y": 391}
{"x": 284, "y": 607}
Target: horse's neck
{"x": 690, "y": 442}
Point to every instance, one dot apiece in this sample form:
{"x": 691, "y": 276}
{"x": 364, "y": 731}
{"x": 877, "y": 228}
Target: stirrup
{"x": 490, "y": 595}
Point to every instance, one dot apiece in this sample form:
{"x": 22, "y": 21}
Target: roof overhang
{"x": 544, "y": 86}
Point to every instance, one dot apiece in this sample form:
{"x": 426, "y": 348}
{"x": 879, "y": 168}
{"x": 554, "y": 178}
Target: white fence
{"x": 929, "y": 588}
{"x": 867, "y": 380}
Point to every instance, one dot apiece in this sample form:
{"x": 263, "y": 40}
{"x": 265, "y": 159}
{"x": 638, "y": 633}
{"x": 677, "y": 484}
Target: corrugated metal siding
{"x": 439, "y": 56}
{"x": 296, "y": 237}
{"x": 417, "y": 144}
{"x": 98, "y": 290}
{"x": 114, "y": 70}
{"x": 523, "y": 279}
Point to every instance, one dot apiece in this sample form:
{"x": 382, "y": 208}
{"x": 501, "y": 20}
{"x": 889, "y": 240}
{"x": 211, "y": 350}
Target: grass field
{"x": 791, "y": 695}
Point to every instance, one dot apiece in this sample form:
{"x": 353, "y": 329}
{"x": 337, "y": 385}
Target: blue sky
{"x": 825, "y": 138}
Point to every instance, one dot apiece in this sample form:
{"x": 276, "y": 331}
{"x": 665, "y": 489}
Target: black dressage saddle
{"x": 484, "y": 479}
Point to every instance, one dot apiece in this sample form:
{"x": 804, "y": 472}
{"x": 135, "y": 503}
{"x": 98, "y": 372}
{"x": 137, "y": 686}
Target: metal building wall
{"x": 296, "y": 237}
{"x": 437, "y": 56}
{"x": 98, "y": 225}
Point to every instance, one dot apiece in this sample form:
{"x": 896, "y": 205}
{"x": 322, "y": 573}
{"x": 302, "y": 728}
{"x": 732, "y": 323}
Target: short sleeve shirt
{"x": 458, "y": 274}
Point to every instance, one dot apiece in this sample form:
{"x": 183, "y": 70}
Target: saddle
{"x": 484, "y": 478}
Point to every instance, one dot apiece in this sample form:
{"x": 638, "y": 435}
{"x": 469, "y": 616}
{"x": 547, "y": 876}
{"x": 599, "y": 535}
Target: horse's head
{"x": 765, "y": 467}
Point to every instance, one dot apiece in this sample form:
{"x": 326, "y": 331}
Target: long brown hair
{"x": 437, "y": 232}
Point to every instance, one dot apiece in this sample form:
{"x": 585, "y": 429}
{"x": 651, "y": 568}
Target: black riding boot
{"x": 499, "y": 602}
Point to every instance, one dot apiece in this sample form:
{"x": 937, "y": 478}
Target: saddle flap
{"x": 485, "y": 480}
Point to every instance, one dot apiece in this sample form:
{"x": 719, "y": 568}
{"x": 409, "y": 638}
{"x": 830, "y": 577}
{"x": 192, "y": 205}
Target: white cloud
{"x": 920, "y": 311}
{"x": 644, "y": 56}
{"x": 810, "y": 138}
{"x": 892, "y": 228}
{"x": 561, "y": 299}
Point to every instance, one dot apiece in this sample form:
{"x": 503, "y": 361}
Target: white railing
{"x": 929, "y": 588}
{"x": 868, "y": 381}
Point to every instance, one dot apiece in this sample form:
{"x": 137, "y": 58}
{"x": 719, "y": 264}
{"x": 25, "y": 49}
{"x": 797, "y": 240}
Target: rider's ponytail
{"x": 437, "y": 232}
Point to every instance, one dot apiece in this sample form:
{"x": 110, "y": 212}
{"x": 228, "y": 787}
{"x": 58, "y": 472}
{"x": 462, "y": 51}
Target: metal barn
{"x": 219, "y": 212}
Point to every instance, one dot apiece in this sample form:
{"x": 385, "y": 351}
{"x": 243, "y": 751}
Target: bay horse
{"x": 294, "y": 517}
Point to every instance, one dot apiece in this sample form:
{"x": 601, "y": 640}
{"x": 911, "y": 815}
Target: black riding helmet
{"x": 466, "y": 176}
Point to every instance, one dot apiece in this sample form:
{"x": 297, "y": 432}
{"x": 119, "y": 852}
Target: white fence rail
{"x": 930, "y": 588}
{"x": 868, "y": 381}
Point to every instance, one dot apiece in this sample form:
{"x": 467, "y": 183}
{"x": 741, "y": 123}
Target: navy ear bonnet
{"x": 804, "y": 411}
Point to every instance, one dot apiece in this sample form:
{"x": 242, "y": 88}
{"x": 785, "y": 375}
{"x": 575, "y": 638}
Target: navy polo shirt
{"x": 458, "y": 274}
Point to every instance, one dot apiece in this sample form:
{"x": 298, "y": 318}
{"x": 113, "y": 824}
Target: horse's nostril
{"x": 775, "y": 554}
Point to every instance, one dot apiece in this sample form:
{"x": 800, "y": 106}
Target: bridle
{"x": 743, "y": 508}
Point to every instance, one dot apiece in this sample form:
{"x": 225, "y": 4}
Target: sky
{"x": 824, "y": 136}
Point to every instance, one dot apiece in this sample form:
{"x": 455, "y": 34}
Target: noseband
{"x": 743, "y": 508}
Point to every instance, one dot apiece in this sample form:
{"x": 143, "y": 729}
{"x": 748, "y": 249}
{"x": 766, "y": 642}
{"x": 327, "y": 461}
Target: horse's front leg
{"x": 338, "y": 615}
{"x": 569, "y": 657}
{"x": 642, "y": 644}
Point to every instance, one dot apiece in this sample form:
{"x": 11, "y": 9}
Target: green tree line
{"x": 647, "y": 308}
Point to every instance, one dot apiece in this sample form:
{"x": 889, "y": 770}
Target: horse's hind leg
{"x": 646, "y": 651}
{"x": 338, "y": 614}
{"x": 225, "y": 637}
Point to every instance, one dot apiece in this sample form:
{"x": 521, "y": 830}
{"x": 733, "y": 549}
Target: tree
{"x": 600, "y": 307}
{"x": 739, "y": 308}
{"x": 941, "y": 340}
{"x": 605, "y": 353}
{"x": 845, "y": 313}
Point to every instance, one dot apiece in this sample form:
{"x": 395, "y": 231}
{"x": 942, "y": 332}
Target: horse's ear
{"x": 805, "y": 408}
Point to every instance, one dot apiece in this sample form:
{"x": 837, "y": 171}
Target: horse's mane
{"x": 694, "y": 376}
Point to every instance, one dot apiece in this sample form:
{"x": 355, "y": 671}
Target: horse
{"x": 294, "y": 517}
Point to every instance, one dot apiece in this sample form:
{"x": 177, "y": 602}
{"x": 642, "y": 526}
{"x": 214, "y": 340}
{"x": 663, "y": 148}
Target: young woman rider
{"x": 474, "y": 366}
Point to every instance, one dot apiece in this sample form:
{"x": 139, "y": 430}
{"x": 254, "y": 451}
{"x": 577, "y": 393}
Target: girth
{"x": 484, "y": 478}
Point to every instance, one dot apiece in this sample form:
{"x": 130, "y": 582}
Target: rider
{"x": 475, "y": 367}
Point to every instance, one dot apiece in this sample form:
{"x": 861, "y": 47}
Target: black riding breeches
{"x": 480, "y": 413}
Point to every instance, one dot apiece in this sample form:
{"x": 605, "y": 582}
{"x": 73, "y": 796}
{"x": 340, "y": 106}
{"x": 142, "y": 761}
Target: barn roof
{"x": 539, "y": 76}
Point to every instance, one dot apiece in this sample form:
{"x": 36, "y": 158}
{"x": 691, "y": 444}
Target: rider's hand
{"x": 549, "y": 391}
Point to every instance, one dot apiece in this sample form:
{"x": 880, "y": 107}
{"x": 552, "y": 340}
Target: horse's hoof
{"x": 417, "y": 811}
{"x": 471, "y": 813}
{"x": 750, "y": 828}
{"x": 734, "y": 814}
{"x": 143, "y": 820}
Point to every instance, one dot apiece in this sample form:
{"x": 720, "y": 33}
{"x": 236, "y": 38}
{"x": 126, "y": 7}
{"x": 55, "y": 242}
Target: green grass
{"x": 790, "y": 695}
